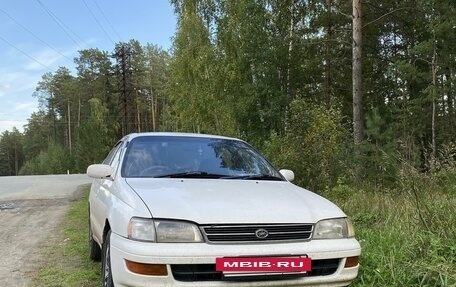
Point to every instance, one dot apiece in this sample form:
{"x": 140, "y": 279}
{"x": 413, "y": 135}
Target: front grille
{"x": 206, "y": 272}
{"x": 248, "y": 233}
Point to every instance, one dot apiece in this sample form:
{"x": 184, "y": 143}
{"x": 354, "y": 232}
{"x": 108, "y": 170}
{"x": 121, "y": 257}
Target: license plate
{"x": 245, "y": 266}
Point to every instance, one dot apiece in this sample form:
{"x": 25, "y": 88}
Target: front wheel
{"x": 106, "y": 271}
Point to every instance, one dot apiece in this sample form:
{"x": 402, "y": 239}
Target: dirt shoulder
{"x": 25, "y": 225}
{"x": 28, "y": 221}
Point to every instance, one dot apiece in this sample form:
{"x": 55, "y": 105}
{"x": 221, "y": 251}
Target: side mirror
{"x": 100, "y": 171}
{"x": 288, "y": 174}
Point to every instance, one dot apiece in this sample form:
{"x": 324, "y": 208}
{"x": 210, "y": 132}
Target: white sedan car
{"x": 174, "y": 209}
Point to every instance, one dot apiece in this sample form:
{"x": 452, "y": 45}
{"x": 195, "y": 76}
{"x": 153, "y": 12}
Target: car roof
{"x": 174, "y": 134}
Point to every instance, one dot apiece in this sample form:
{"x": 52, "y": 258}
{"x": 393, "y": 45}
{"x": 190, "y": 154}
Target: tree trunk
{"x": 152, "y": 109}
{"x": 358, "y": 129}
{"x": 434, "y": 87}
{"x": 451, "y": 97}
{"x": 69, "y": 124}
{"x": 328, "y": 60}
{"x": 16, "y": 160}
{"x": 138, "y": 115}
{"x": 290, "y": 51}
{"x": 79, "y": 111}
{"x": 289, "y": 59}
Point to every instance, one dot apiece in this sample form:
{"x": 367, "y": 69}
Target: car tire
{"x": 106, "y": 272}
{"x": 94, "y": 248}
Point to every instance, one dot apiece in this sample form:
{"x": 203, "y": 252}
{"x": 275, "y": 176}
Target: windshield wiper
{"x": 203, "y": 174}
{"x": 255, "y": 177}
{"x": 191, "y": 174}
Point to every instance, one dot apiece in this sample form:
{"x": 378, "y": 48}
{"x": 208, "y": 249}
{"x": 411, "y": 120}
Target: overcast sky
{"x": 38, "y": 36}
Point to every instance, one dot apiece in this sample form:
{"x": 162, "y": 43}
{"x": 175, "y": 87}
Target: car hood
{"x": 215, "y": 201}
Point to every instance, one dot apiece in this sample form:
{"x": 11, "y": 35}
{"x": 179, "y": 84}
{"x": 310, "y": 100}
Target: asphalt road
{"x": 30, "y": 209}
{"x": 40, "y": 186}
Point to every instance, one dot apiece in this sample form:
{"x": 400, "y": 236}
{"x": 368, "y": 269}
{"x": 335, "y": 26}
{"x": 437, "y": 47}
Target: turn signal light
{"x": 147, "y": 269}
{"x": 351, "y": 262}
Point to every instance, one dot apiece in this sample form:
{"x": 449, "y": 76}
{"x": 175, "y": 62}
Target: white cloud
{"x": 51, "y": 58}
{"x": 45, "y": 58}
{"x": 16, "y": 101}
{"x": 13, "y": 83}
{"x": 8, "y": 125}
{"x": 3, "y": 88}
{"x": 29, "y": 107}
{"x": 19, "y": 77}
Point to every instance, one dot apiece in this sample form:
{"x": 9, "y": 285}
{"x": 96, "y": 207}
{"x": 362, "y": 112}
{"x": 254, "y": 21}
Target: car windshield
{"x": 195, "y": 157}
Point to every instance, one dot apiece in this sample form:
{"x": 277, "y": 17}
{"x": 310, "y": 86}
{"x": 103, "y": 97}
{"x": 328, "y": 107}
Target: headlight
{"x": 165, "y": 231}
{"x": 333, "y": 229}
{"x": 177, "y": 231}
{"x": 142, "y": 229}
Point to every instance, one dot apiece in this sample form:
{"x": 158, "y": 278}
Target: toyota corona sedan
{"x": 175, "y": 209}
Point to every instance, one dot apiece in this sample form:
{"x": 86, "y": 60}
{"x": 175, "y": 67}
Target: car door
{"x": 100, "y": 195}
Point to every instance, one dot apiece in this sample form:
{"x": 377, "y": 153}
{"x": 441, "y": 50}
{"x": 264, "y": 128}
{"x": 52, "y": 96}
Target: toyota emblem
{"x": 261, "y": 233}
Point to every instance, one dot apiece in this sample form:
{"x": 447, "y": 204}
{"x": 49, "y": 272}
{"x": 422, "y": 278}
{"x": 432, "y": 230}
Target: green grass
{"x": 66, "y": 260}
{"x": 408, "y": 236}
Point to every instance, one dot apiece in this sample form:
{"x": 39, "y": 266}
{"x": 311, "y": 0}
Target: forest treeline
{"x": 276, "y": 73}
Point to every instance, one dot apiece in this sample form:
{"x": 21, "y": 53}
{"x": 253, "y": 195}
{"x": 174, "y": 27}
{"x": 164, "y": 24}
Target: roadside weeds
{"x": 64, "y": 258}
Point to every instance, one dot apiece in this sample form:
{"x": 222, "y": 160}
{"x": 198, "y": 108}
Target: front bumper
{"x": 182, "y": 254}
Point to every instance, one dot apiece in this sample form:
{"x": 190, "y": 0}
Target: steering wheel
{"x": 154, "y": 170}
